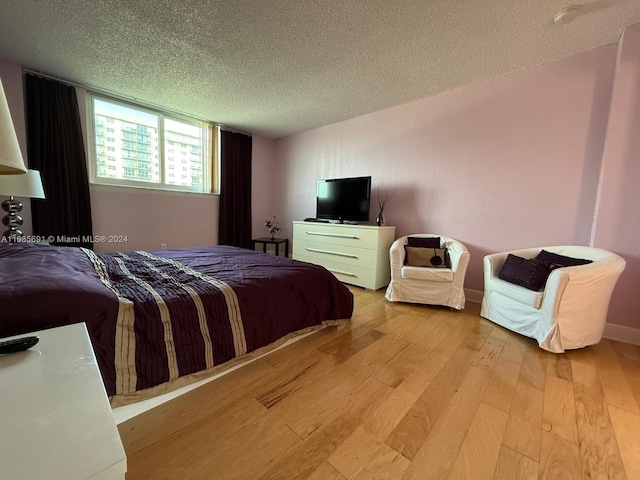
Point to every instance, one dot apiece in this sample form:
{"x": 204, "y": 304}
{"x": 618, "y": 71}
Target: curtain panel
{"x": 235, "y": 189}
{"x": 55, "y": 147}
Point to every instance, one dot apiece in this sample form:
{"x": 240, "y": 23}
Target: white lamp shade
{"x": 11, "y": 161}
{"x": 26, "y": 185}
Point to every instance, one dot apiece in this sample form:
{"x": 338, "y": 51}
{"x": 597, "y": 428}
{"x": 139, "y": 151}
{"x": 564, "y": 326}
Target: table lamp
{"x": 26, "y": 185}
{"x": 11, "y": 161}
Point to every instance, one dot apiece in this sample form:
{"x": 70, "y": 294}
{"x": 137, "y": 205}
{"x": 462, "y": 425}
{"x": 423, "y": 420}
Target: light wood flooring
{"x": 405, "y": 392}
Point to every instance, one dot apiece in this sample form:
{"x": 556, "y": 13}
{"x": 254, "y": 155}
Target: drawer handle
{"x": 342, "y": 273}
{"x": 340, "y": 254}
{"x": 337, "y": 235}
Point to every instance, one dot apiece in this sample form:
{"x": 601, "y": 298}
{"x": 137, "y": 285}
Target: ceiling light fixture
{"x": 566, "y": 14}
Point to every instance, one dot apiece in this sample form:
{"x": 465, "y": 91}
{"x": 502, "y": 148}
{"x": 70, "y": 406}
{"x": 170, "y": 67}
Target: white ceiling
{"x": 275, "y": 67}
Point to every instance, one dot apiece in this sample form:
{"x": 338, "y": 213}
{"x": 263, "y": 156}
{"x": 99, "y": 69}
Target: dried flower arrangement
{"x": 381, "y": 203}
{"x": 272, "y": 227}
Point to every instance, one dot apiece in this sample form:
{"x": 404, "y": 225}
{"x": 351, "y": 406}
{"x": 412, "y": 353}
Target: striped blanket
{"x": 177, "y": 308}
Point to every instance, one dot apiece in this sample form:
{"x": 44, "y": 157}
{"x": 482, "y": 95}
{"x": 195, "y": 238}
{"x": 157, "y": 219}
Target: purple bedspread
{"x": 155, "y": 316}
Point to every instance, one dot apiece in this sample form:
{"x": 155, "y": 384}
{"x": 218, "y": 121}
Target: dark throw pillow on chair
{"x": 528, "y": 273}
{"x": 553, "y": 260}
{"x": 427, "y": 257}
{"x": 427, "y": 242}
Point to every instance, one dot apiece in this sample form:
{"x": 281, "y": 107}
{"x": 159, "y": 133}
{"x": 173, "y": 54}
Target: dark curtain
{"x": 55, "y": 148}
{"x": 235, "y": 189}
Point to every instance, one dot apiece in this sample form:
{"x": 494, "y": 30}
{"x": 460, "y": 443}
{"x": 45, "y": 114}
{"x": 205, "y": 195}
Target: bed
{"x": 157, "y": 317}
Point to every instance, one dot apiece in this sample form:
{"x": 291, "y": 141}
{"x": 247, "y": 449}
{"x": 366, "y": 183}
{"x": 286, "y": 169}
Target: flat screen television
{"x": 344, "y": 199}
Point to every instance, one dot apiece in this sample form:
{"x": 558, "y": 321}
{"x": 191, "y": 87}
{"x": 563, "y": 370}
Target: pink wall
{"x": 617, "y": 225}
{"x": 507, "y": 163}
{"x": 149, "y": 218}
{"x": 265, "y": 191}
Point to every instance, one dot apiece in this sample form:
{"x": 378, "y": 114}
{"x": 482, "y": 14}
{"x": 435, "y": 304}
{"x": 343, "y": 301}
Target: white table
{"x": 55, "y": 417}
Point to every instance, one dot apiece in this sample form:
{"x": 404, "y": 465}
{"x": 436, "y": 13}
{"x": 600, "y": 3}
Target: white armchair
{"x": 431, "y": 286}
{"x": 571, "y": 309}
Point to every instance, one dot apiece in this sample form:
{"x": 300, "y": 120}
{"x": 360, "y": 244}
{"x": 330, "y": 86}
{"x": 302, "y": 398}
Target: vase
{"x": 380, "y": 218}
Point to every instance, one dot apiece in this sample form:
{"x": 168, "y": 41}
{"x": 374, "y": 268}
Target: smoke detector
{"x": 566, "y": 14}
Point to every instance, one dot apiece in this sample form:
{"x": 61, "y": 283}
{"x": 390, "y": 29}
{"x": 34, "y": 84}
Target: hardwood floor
{"x": 405, "y": 392}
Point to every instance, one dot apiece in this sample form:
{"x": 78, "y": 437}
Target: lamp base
{"x": 12, "y": 219}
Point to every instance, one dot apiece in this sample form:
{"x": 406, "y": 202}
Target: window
{"x": 140, "y": 138}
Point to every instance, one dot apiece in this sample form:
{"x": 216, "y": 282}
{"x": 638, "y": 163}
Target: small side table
{"x": 55, "y": 415}
{"x": 272, "y": 241}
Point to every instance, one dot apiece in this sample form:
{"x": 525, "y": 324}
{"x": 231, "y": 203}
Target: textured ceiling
{"x": 277, "y": 67}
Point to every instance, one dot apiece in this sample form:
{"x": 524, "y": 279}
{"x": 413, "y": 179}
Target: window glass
{"x": 140, "y": 146}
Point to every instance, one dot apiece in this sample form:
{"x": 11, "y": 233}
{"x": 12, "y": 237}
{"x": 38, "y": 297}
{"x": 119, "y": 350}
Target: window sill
{"x": 155, "y": 190}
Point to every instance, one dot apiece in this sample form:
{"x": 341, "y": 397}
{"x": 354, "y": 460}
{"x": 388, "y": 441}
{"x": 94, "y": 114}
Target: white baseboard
{"x": 622, "y": 333}
{"x": 473, "y": 295}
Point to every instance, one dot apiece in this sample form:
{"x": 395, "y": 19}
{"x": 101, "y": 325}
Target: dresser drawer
{"x": 364, "y": 257}
{"x": 351, "y": 274}
{"x": 336, "y": 235}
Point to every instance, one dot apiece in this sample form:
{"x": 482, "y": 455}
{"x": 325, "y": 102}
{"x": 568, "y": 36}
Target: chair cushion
{"x": 555, "y": 260}
{"x": 526, "y": 272}
{"x": 428, "y": 242}
{"x": 427, "y": 257}
{"x": 428, "y": 274}
{"x": 515, "y": 292}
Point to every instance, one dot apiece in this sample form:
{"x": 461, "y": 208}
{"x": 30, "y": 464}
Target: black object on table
{"x": 17, "y": 344}
{"x": 272, "y": 241}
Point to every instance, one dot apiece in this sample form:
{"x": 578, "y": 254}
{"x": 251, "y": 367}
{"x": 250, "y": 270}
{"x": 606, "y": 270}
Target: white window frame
{"x": 210, "y": 165}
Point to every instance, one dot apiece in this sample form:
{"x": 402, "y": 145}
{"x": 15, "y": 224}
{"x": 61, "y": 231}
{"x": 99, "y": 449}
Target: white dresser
{"x": 55, "y": 417}
{"x": 355, "y": 254}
